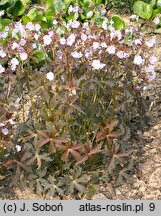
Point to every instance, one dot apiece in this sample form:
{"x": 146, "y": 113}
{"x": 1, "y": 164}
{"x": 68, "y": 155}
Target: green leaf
{"x": 40, "y": 56}
{"x": 153, "y": 3}
{"x": 32, "y": 13}
{"x": 119, "y": 23}
{"x": 3, "y": 2}
{"x": 157, "y": 31}
{"x": 5, "y": 22}
{"x": 26, "y": 19}
{"x": 16, "y": 9}
{"x": 143, "y": 9}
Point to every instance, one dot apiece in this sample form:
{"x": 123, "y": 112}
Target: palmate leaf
{"x": 38, "y": 158}
{"x": 76, "y": 181}
{"x": 89, "y": 150}
{"x": 70, "y": 148}
{"x": 52, "y": 139}
{"x": 107, "y": 131}
{"x": 53, "y": 187}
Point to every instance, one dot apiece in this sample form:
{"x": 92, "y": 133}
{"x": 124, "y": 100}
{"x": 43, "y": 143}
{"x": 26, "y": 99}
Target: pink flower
{"x": 104, "y": 25}
{"x": 15, "y": 45}
{"x": 14, "y": 63}
{"x": 2, "y": 53}
{"x": 83, "y": 37}
{"x": 23, "y": 56}
{"x": 138, "y": 60}
{"x": 151, "y": 42}
{"x": 50, "y": 33}
{"x": 62, "y": 41}
{"x": 152, "y": 60}
{"x": 37, "y": 27}
{"x": 75, "y": 24}
{"x": 111, "y": 49}
{"x": 103, "y": 45}
{"x": 30, "y": 26}
{"x": 156, "y": 20}
{"x": 22, "y": 42}
{"x": 89, "y": 14}
{"x": 152, "y": 77}
{"x": 95, "y": 45}
{"x": 137, "y": 41}
{"x": 5, "y": 131}
{"x": 76, "y": 54}
{"x": 96, "y": 64}
{"x": 71, "y": 39}
{"x": 76, "y": 9}
{"x": 2, "y": 69}
{"x": 122, "y": 55}
{"x": 47, "y": 40}
{"x": 149, "y": 69}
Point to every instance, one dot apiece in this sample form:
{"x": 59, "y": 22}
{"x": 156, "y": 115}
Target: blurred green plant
{"x": 147, "y": 9}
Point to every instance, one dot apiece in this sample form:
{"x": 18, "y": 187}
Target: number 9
{"x": 152, "y": 206}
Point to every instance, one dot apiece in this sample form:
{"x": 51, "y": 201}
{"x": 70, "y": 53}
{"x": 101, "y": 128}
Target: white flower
{"x": 156, "y": 20}
{"x": 2, "y": 53}
{"x": 152, "y": 60}
{"x": 22, "y": 42}
{"x": 138, "y": 60}
{"x": 103, "y": 45}
{"x": 70, "y": 9}
{"x": 5, "y": 131}
{"x": 137, "y": 41}
{"x": 2, "y": 69}
{"x": 95, "y": 45}
{"x": 111, "y": 49}
{"x": 18, "y": 148}
{"x": 55, "y": 22}
{"x": 62, "y": 41}
{"x": 89, "y": 14}
{"x": 37, "y": 27}
{"x": 149, "y": 69}
{"x": 122, "y": 55}
{"x": 134, "y": 17}
{"x": 23, "y": 56}
{"x": 2, "y": 13}
{"x": 75, "y": 24}
{"x": 151, "y": 42}
{"x": 15, "y": 45}
{"x": 11, "y": 121}
{"x": 50, "y": 76}
{"x": 76, "y": 9}
{"x": 152, "y": 77}
{"x": 14, "y": 61}
{"x": 83, "y": 37}
{"x": 34, "y": 46}
{"x": 2, "y": 124}
{"x": 76, "y": 54}
{"x": 85, "y": 25}
{"x": 47, "y": 40}
{"x": 30, "y": 26}
{"x": 71, "y": 39}
{"x": 96, "y": 64}
{"x": 36, "y": 36}
{"x": 50, "y": 33}
{"x": 104, "y": 25}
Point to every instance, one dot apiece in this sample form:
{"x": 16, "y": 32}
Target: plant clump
{"x": 68, "y": 94}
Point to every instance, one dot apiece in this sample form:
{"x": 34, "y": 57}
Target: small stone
{"x": 99, "y": 196}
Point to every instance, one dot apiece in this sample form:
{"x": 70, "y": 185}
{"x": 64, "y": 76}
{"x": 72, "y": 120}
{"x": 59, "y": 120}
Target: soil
{"x": 145, "y": 184}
